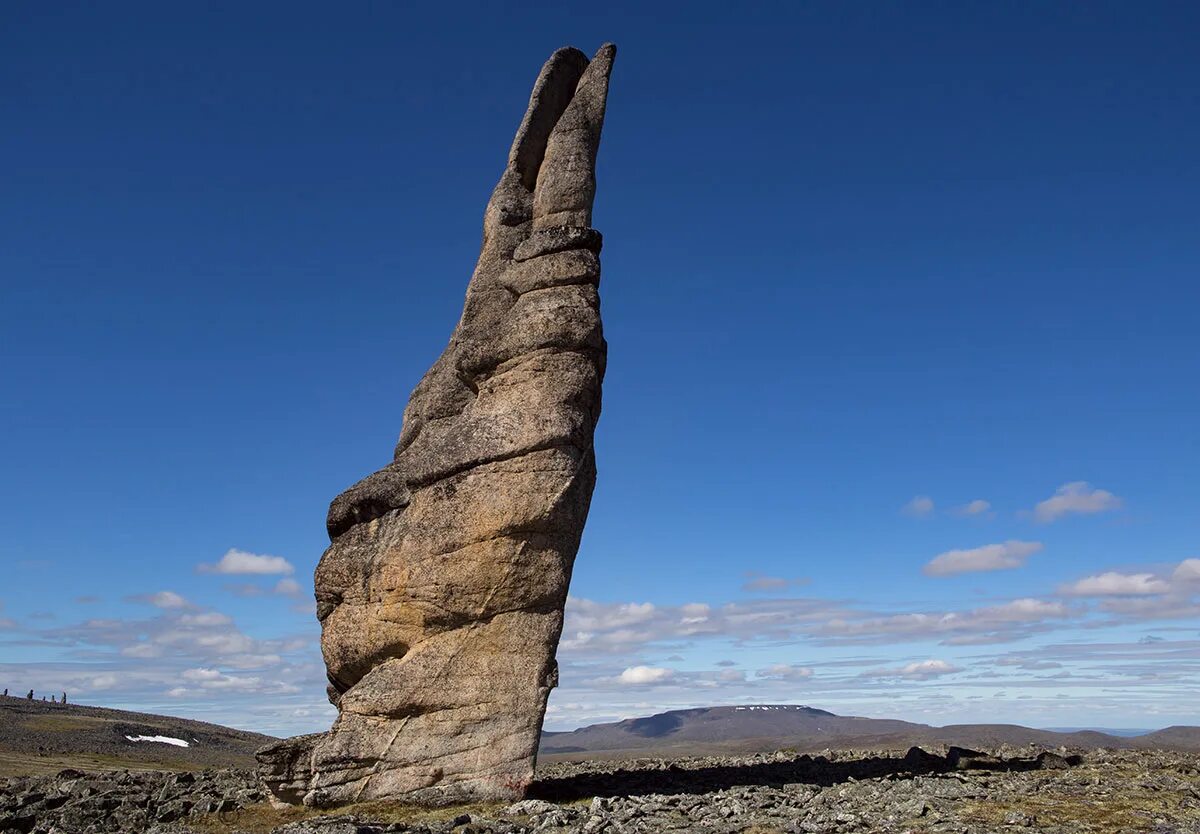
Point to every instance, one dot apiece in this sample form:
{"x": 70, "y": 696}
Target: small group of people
{"x": 29, "y": 697}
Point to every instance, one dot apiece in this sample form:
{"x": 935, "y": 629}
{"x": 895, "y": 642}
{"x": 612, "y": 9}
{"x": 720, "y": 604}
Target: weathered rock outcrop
{"x": 441, "y": 595}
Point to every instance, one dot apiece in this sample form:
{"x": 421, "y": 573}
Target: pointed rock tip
{"x": 605, "y": 54}
{"x": 568, "y": 53}
{"x": 603, "y": 59}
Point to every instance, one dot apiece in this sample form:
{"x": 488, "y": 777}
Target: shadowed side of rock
{"x": 441, "y": 594}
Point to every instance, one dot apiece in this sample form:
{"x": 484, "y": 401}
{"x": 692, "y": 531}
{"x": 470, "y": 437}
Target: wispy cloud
{"x": 644, "y": 675}
{"x": 1113, "y": 583}
{"x": 241, "y": 562}
{"x": 919, "y": 670}
{"x": 978, "y": 507}
{"x": 1075, "y": 498}
{"x": 287, "y": 588}
{"x": 785, "y": 672}
{"x": 184, "y": 653}
{"x": 758, "y": 582}
{"x": 595, "y": 628}
{"x": 1187, "y": 572}
{"x": 1005, "y": 622}
{"x": 921, "y": 506}
{"x": 161, "y": 599}
{"x": 1003, "y": 556}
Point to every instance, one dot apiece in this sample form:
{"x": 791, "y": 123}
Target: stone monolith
{"x": 441, "y": 595}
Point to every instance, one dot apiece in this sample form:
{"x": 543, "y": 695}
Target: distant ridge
{"x": 1120, "y": 732}
{"x": 765, "y": 727}
{"x": 38, "y": 737}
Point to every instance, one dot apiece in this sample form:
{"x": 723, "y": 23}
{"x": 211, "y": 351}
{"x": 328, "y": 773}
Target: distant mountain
{"x": 1120, "y": 732}
{"x": 38, "y": 737}
{"x": 1179, "y": 737}
{"x": 742, "y": 729}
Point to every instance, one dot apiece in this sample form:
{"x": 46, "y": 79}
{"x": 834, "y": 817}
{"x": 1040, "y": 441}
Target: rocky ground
{"x": 1014, "y": 790}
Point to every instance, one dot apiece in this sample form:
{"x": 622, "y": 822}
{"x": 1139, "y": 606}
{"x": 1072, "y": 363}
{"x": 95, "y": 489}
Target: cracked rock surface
{"x": 441, "y": 594}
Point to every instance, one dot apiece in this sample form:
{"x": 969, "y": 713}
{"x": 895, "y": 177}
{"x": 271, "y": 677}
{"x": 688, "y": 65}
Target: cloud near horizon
{"x": 162, "y": 599}
{"x": 642, "y": 675}
{"x": 1113, "y": 583}
{"x": 199, "y": 659}
{"x": 785, "y": 672}
{"x": 918, "y": 670}
{"x": 757, "y": 582}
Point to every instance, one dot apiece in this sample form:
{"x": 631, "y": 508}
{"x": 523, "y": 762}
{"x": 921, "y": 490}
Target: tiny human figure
{"x": 54, "y": 699}
{"x": 30, "y": 695}
{"x": 64, "y": 700}
{"x": 6, "y": 692}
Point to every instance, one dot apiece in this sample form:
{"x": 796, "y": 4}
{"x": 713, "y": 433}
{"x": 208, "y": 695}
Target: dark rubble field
{"x": 848, "y": 791}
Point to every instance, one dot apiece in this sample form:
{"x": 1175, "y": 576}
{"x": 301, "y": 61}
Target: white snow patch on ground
{"x": 178, "y": 742}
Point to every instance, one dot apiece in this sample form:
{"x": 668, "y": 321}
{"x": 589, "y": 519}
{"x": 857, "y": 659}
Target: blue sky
{"x": 864, "y": 265}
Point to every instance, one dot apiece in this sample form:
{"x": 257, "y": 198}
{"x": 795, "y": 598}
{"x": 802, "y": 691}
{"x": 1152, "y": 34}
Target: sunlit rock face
{"x": 441, "y": 594}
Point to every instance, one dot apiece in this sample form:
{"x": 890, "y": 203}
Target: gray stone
{"x": 441, "y": 594}
{"x": 530, "y": 808}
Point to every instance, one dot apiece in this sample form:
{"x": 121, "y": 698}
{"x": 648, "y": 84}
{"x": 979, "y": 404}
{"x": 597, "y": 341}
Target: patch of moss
{"x": 62, "y": 723}
{"x": 27, "y": 764}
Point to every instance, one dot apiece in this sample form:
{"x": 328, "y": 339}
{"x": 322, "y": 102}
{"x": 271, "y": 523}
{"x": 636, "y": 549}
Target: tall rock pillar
{"x": 441, "y": 594}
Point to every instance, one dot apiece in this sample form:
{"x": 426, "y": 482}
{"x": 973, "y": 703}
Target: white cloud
{"x": 287, "y": 587}
{"x": 208, "y": 618}
{"x": 252, "y": 661}
{"x": 973, "y": 508}
{"x": 240, "y": 562}
{"x": 1003, "y": 556}
{"x": 102, "y": 682}
{"x": 162, "y": 599}
{"x": 595, "y": 616}
{"x": 1076, "y": 497}
{"x": 920, "y": 670}
{"x": 990, "y": 624}
{"x": 785, "y": 672}
{"x": 1023, "y": 610}
{"x": 216, "y": 680}
{"x": 1170, "y": 607}
{"x": 921, "y": 506}
{"x": 761, "y": 582}
{"x": 642, "y": 675}
{"x": 201, "y": 675}
{"x": 694, "y": 613}
{"x": 596, "y": 632}
{"x": 1027, "y": 663}
{"x": 1187, "y": 571}
{"x": 1113, "y": 583}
